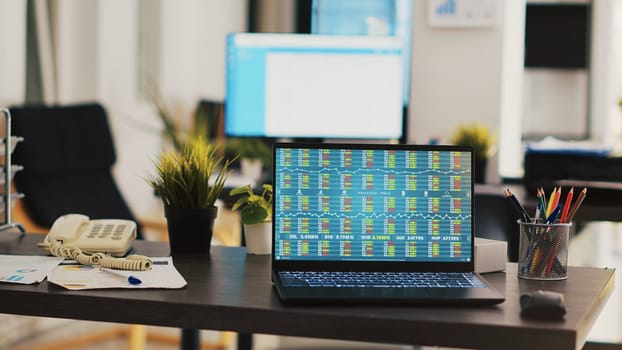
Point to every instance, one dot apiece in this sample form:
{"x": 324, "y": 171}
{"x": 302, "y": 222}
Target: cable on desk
{"x": 133, "y": 262}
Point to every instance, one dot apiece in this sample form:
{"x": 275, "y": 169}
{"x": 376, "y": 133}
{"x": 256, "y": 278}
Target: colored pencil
{"x": 576, "y": 204}
{"x": 551, "y": 204}
{"x": 567, "y": 204}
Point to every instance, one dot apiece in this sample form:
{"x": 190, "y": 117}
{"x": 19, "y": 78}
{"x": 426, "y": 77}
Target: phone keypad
{"x": 107, "y": 231}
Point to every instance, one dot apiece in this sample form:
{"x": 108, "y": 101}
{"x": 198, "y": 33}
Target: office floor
{"x": 599, "y": 244}
{"x": 48, "y": 339}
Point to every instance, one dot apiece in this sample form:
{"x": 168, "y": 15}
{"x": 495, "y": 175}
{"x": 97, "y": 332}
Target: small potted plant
{"x": 189, "y": 182}
{"x": 256, "y": 214}
{"x": 481, "y": 139}
{"x": 254, "y": 153}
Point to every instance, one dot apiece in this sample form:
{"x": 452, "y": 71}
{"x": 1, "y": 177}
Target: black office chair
{"x": 67, "y": 154}
{"x": 495, "y": 218}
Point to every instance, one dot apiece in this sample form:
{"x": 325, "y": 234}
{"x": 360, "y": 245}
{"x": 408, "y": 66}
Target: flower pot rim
{"x": 189, "y": 213}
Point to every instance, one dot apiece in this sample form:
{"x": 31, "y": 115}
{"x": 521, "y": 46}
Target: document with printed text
{"x": 72, "y": 275}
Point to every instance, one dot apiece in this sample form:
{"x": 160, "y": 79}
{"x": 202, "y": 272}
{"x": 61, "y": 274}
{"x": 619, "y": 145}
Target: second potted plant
{"x": 256, "y": 214}
{"x": 481, "y": 139}
{"x": 254, "y": 155}
{"x": 189, "y": 182}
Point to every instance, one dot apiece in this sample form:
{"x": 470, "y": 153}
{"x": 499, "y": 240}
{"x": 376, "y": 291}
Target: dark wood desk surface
{"x": 232, "y": 291}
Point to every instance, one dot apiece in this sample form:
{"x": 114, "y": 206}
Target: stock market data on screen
{"x": 380, "y": 204}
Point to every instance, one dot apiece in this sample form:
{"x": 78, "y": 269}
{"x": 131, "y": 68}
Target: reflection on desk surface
{"x": 599, "y": 244}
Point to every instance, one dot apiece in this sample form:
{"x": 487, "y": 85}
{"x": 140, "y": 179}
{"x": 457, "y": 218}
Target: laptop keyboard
{"x": 380, "y": 279}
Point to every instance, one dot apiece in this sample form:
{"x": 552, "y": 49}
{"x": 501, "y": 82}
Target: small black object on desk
{"x": 542, "y": 305}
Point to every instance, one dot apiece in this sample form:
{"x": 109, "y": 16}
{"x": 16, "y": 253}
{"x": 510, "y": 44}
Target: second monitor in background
{"x": 314, "y": 86}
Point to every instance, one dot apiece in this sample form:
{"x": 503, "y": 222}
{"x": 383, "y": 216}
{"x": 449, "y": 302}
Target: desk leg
{"x": 245, "y": 341}
{"x": 190, "y": 339}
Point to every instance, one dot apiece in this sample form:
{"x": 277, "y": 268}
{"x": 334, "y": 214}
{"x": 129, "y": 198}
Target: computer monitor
{"x": 313, "y": 86}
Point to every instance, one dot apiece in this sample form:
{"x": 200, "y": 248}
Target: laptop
{"x": 356, "y": 223}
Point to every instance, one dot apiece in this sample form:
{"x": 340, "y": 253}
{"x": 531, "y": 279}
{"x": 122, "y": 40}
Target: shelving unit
{"x": 7, "y": 196}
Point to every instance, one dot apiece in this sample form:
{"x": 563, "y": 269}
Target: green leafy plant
{"x": 183, "y": 178}
{"x": 477, "y": 136}
{"x": 254, "y": 208}
{"x": 249, "y": 148}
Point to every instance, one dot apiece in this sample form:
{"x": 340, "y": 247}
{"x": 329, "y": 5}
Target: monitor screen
{"x": 313, "y": 86}
{"x": 367, "y": 17}
{"x": 372, "y": 202}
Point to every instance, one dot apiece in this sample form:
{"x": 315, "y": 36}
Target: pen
{"x": 554, "y": 214}
{"x": 520, "y": 209}
{"x": 130, "y": 279}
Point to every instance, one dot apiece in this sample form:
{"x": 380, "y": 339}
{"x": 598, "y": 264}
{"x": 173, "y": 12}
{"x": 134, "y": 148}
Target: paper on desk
{"x": 26, "y": 269}
{"x": 74, "y": 276}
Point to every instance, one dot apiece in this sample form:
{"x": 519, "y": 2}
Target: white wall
{"x": 555, "y": 102}
{"x": 509, "y": 141}
{"x": 76, "y": 51}
{"x": 134, "y": 125}
{"x": 455, "y": 77}
{"x": 606, "y": 73}
{"x": 99, "y": 59}
{"x": 192, "y": 50}
{"x": 12, "y": 52}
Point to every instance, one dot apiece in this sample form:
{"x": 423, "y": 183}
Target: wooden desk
{"x": 232, "y": 291}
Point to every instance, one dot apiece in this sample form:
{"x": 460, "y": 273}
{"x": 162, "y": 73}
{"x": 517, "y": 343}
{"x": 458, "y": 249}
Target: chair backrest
{"x": 67, "y": 154}
{"x": 495, "y": 218}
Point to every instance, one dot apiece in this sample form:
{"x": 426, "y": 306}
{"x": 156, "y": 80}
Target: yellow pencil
{"x": 550, "y": 206}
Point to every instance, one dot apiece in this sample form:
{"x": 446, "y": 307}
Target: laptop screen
{"x": 335, "y": 202}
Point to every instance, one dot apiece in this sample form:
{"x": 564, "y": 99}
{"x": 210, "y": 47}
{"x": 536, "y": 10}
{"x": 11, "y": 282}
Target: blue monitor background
{"x": 367, "y": 17}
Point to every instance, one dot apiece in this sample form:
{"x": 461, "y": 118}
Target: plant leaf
{"x": 240, "y": 190}
{"x": 239, "y": 203}
{"x": 253, "y": 214}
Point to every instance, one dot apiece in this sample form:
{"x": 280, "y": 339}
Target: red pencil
{"x": 567, "y": 204}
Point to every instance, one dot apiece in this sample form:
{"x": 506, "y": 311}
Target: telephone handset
{"x": 110, "y": 236}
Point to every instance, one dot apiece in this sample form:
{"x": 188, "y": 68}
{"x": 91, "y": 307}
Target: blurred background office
{"x": 488, "y": 63}
{"x": 116, "y": 52}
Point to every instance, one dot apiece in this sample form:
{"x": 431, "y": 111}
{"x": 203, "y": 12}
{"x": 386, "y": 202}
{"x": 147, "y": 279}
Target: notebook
{"x": 356, "y": 223}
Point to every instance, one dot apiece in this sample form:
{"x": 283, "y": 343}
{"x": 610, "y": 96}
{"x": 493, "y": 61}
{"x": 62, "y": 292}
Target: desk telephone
{"x": 95, "y": 242}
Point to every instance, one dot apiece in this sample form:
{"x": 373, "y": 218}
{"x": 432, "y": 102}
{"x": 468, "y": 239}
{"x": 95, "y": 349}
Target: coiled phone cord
{"x": 133, "y": 262}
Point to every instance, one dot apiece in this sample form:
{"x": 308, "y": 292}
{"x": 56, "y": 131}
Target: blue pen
{"x": 551, "y": 219}
{"x": 130, "y": 279}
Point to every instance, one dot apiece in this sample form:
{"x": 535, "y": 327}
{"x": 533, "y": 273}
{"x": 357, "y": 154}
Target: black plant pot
{"x": 479, "y": 170}
{"x": 190, "y": 230}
